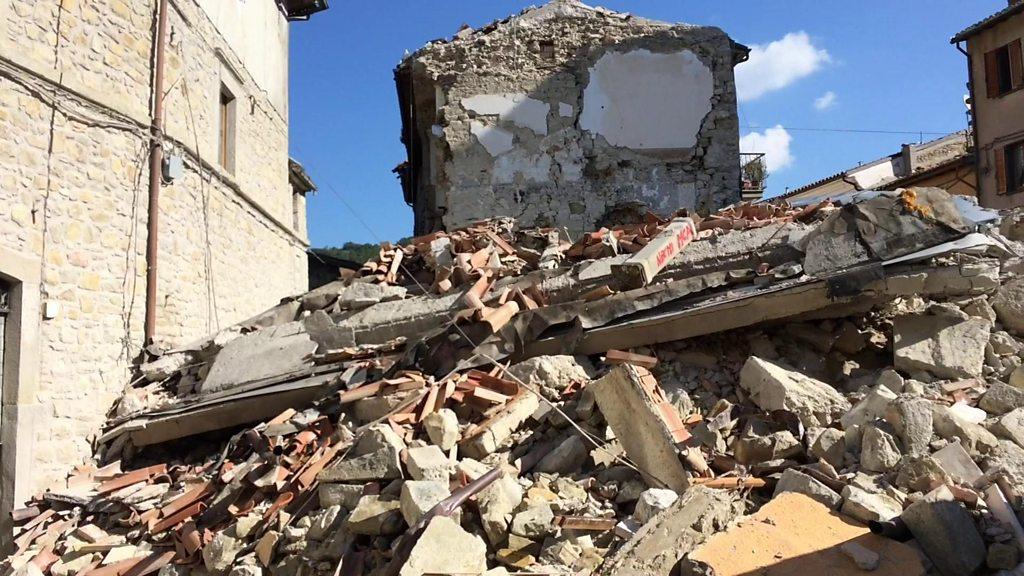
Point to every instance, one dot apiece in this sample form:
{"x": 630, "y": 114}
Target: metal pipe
{"x": 156, "y": 159}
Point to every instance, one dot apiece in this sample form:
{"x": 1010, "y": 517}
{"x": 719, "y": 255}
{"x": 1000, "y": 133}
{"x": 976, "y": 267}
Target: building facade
{"x": 76, "y": 98}
{"x": 996, "y": 78}
{"x": 562, "y": 113}
{"x": 946, "y": 163}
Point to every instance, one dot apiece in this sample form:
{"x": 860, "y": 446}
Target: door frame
{"x": 20, "y": 382}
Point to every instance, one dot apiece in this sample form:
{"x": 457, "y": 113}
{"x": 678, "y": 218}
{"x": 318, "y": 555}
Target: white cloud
{"x": 778, "y": 64}
{"x": 773, "y": 143}
{"x": 825, "y": 101}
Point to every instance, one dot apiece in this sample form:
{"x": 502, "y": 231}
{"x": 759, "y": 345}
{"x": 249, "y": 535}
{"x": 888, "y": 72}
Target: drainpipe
{"x": 974, "y": 122}
{"x": 156, "y": 159}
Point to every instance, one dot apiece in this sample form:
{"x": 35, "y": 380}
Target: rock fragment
{"x": 944, "y": 345}
{"x": 795, "y": 481}
{"x": 445, "y": 548}
{"x": 442, "y": 428}
{"x": 879, "y": 451}
{"x": 947, "y": 533}
{"x": 653, "y": 501}
{"x": 419, "y": 497}
{"x": 773, "y": 387}
{"x": 866, "y": 506}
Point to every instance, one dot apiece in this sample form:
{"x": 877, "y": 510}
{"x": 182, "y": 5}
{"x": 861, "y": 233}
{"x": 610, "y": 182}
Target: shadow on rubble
{"x": 835, "y": 546}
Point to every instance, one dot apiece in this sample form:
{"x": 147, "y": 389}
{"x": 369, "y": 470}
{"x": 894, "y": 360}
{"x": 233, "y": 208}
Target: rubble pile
{"x": 839, "y": 387}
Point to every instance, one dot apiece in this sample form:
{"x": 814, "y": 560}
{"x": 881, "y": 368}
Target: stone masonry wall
{"x": 73, "y": 192}
{"x": 559, "y": 114}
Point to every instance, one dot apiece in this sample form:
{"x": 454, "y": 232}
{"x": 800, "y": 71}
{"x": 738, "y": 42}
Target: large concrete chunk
{"x": 445, "y": 548}
{"x": 267, "y": 354}
{"x": 657, "y": 547}
{"x": 773, "y": 387}
{"x": 634, "y": 417}
{"x": 946, "y": 532}
{"x": 794, "y": 534}
{"x": 944, "y": 345}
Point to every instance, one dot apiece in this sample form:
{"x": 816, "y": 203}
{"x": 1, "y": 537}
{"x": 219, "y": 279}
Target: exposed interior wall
{"x": 998, "y": 121}
{"x": 73, "y": 178}
{"x": 537, "y": 120}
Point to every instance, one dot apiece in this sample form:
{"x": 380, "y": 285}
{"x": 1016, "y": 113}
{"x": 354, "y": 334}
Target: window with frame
{"x": 1004, "y": 70}
{"x": 1010, "y": 168}
{"x": 226, "y": 129}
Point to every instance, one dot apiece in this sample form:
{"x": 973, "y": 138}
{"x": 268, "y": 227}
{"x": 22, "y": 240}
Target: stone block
{"x": 867, "y": 506}
{"x": 419, "y": 497}
{"x": 773, "y": 387}
{"x": 445, "y": 548}
{"x": 1001, "y": 398}
{"x": 879, "y": 451}
{"x": 795, "y": 481}
{"x": 442, "y": 428}
{"x": 383, "y": 464}
{"x": 375, "y": 516}
{"x": 429, "y": 463}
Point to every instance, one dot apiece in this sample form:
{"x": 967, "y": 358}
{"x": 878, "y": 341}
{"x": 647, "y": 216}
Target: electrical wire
{"x": 854, "y": 131}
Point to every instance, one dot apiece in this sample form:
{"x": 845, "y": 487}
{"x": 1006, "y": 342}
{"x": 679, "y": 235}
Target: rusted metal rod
{"x": 156, "y": 160}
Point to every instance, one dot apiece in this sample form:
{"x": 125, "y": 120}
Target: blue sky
{"x": 866, "y": 65}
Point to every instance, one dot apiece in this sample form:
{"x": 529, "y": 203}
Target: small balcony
{"x": 754, "y": 173}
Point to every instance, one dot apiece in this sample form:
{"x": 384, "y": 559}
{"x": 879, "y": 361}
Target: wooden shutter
{"x": 1000, "y": 167}
{"x": 1016, "y": 65}
{"x": 992, "y": 74}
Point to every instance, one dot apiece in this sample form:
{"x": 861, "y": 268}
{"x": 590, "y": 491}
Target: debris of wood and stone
{"x": 793, "y": 384}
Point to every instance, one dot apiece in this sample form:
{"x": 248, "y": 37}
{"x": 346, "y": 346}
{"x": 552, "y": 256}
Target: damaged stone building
{"x": 569, "y": 115}
{"x": 76, "y": 113}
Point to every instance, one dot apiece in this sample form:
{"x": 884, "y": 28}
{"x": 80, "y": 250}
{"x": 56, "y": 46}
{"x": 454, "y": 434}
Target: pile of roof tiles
{"x": 494, "y": 401}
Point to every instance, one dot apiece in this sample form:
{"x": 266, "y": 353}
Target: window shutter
{"x": 1000, "y": 167}
{"x": 1016, "y": 65}
{"x": 991, "y": 74}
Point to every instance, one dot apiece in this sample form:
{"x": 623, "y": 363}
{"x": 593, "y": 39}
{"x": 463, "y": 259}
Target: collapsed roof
{"x": 345, "y": 430}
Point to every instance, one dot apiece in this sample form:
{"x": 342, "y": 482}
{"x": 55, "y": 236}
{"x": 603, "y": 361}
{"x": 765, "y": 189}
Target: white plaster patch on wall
{"x": 565, "y": 110}
{"x": 531, "y": 168}
{"x": 518, "y": 109}
{"x": 643, "y": 100}
{"x": 437, "y": 130}
{"x": 496, "y": 140}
